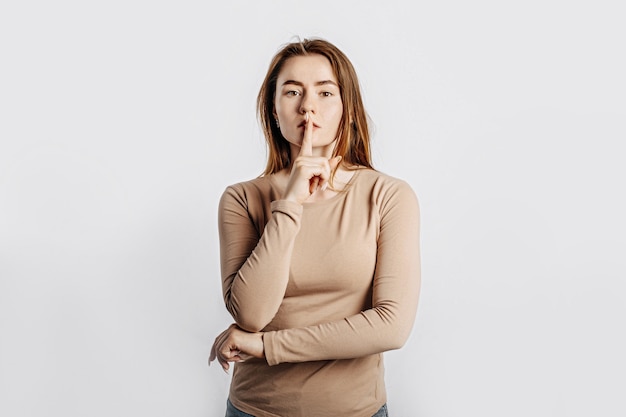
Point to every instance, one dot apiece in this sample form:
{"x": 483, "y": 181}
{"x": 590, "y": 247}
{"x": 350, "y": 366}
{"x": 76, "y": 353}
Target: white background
{"x": 121, "y": 122}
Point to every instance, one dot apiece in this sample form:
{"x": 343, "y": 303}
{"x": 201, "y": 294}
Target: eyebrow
{"x": 298, "y": 83}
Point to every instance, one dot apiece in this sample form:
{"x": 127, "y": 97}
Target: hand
{"x": 236, "y": 345}
{"x": 309, "y": 173}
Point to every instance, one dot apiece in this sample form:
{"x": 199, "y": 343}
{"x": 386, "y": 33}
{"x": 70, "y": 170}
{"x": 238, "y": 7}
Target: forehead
{"x": 307, "y": 68}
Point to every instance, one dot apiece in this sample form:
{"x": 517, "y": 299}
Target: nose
{"x": 307, "y": 104}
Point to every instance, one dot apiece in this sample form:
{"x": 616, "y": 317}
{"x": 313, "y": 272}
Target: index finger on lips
{"x": 306, "y": 149}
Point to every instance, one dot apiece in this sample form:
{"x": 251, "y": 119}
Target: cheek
{"x": 277, "y": 108}
{"x": 338, "y": 111}
{"x": 279, "y": 105}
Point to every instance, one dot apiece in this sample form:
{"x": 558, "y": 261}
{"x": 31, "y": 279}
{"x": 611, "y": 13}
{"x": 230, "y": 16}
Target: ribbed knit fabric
{"x": 333, "y": 284}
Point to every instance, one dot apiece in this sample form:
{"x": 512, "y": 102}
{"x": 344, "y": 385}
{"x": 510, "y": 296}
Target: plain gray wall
{"x": 121, "y": 122}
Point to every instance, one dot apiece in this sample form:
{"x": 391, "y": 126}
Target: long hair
{"x": 353, "y": 139}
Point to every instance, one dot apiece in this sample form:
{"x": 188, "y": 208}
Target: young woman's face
{"x": 308, "y": 84}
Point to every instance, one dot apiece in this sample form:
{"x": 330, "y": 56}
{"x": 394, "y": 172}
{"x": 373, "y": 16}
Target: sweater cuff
{"x": 270, "y": 348}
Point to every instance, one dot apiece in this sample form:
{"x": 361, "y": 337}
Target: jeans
{"x": 231, "y": 411}
{"x": 382, "y": 412}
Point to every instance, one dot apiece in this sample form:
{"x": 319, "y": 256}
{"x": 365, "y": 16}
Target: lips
{"x": 304, "y": 123}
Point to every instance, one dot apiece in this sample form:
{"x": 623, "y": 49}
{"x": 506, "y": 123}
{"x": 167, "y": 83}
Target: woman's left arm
{"x": 396, "y": 286}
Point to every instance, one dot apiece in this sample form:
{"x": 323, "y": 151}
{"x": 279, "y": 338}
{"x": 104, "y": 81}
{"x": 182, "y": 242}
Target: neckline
{"x": 313, "y": 204}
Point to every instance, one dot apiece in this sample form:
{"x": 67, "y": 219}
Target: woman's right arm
{"x": 255, "y": 269}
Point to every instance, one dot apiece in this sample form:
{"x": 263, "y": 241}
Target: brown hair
{"x": 353, "y": 142}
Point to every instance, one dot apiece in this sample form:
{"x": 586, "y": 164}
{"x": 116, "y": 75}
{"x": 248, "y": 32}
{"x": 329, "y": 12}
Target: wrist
{"x": 291, "y": 198}
{"x": 262, "y": 346}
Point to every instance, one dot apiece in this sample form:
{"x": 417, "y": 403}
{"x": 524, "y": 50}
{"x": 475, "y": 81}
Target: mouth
{"x": 303, "y": 124}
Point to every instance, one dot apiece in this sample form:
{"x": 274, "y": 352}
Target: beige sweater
{"x": 333, "y": 284}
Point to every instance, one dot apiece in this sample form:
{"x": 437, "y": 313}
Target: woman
{"x": 319, "y": 256}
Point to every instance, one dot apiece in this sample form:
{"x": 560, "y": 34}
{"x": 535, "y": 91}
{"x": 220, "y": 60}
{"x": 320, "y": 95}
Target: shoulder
{"x": 253, "y": 185}
{"x": 384, "y": 185}
{"x": 246, "y": 191}
{"x": 388, "y": 195}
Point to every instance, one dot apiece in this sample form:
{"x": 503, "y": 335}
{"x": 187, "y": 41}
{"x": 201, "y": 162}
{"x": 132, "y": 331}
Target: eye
{"x": 292, "y": 93}
{"x": 326, "y": 94}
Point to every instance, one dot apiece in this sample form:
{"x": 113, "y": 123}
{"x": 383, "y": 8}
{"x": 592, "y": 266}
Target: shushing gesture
{"x": 309, "y": 173}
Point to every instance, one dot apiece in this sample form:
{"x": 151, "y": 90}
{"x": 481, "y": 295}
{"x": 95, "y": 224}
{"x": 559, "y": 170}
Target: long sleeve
{"x": 255, "y": 258}
{"x": 395, "y": 292}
